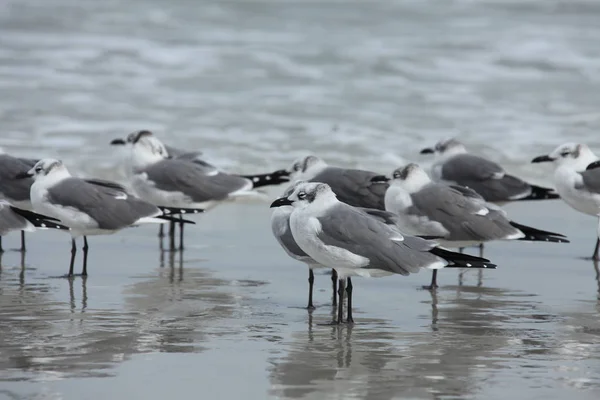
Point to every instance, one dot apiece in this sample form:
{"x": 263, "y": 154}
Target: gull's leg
{"x": 85, "y": 254}
{"x": 481, "y": 250}
{"x": 596, "y": 256}
{"x": 161, "y": 235}
{"x": 1, "y": 249}
{"x": 433, "y": 284}
{"x": 172, "y": 236}
{"x": 181, "y": 224}
{"x": 334, "y": 285}
{"x": 341, "y": 290}
{"x": 23, "y": 241}
{"x": 311, "y": 281}
{"x": 349, "y": 319}
{"x": 73, "y": 252}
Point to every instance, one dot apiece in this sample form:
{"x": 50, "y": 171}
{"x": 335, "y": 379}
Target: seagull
{"x": 173, "y": 152}
{"x": 181, "y": 182}
{"x": 457, "y": 215}
{"x": 16, "y": 219}
{"x": 490, "y": 180}
{"x": 342, "y": 237}
{"x": 578, "y": 187}
{"x": 15, "y": 191}
{"x": 351, "y": 186}
{"x": 87, "y": 207}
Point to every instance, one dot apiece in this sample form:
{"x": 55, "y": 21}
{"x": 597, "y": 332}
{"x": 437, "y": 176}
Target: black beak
{"x": 428, "y": 150}
{"x": 118, "y": 142}
{"x": 542, "y": 159}
{"x": 380, "y": 179}
{"x": 593, "y": 165}
{"x": 282, "y": 201}
{"x": 23, "y": 175}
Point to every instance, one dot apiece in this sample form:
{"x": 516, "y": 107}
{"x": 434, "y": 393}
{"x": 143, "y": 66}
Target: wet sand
{"x": 225, "y": 320}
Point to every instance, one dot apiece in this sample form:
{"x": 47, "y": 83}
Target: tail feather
{"x": 460, "y": 260}
{"x": 274, "y": 178}
{"x": 39, "y": 220}
{"x": 538, "y": 235}
{"x": 541, "y": 193}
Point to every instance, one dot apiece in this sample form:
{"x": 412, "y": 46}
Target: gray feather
{"x": 354, "y": 187}
{"x": 99, "y": 202}
{"x": 591, "y": 180}
{"x": 9, "y": 220}
{"x": 10, "y": 188}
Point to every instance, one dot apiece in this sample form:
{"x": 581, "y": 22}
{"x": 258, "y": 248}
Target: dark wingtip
{"x": 380, "y": 179}
{"x": 593, "y": 165}
{"x": 544, "y": 158}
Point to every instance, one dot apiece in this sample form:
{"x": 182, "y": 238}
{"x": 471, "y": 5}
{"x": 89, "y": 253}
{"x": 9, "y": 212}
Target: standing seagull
{"x": 87, "y": 207}
{"x": 453, "y": 164}
{"x": 15, "y": 191}
{"x": 348, "y": 240}
{"x": 457, "y": 215}
{"x": 15, "y": 219}
{"x": 179, "y": 182}
{"x": 351, "y": 186}
{"x": 577, "y": 187}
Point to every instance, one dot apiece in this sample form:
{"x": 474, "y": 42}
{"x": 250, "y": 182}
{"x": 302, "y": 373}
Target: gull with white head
{"x": 458, "y": 216}
{"x": 177, "y": 182}
{"x": 455, "y": 165}
{"x": 87, "y": 207}
{"x": 342, "y": 237}
{"x": 577, "y": 179}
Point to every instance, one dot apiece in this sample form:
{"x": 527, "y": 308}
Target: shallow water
{"x": 255, "y": 84}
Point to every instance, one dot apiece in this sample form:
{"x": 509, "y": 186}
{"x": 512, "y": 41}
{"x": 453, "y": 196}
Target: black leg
{"x": 349, "y": 319}
{"x": 334, "y": 285}
{"x": 481, "y": 250}
{"x": 341, "y": 290}
{"x": 311, "y": 281}
{"x": 461, "y": 249}
{"x": 23, "y": 241}
{"x": 433, "y": 284}
{"x": 161, "y": 231}
{"x": 73, "y": 252}
{"x": 1, "y": 249}
{"x": 172, "y": 236}
{"x": 596, "y": 256}
{"x": 85, "y": 254}
{"x": 181, "y": 224}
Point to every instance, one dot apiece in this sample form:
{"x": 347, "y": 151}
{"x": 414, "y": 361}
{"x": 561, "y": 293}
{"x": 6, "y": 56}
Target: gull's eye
{"x": 38, "y": 169}
{"x": 565, "y": 153}
{"x": 301, "y": 195}
{"x": 296, "y": 167}
{"x": 396, "y": 175}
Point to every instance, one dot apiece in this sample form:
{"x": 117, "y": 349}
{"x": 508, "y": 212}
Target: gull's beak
{"x": 540, "y": 159}
{"x": 282, "y": 201}
{"x": 593, "y": 165}
{"x": 118, "y": 142}
{"x": 380, "y": 179}
{"x": 427, "y": 150}
{"x": 23, "y": 175}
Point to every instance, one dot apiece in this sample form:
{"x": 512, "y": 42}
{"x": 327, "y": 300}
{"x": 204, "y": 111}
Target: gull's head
{"x": 308, "y": 194}
{"x": 411, "y": 178}
{"x": 575, "y": 156}
{"x": 445, "y": 148}
{"x": 47, "y": 168}
{"x": 146, "y": 148}
{"x": 306, "y": 167}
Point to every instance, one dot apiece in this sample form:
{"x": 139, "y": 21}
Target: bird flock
{"x": 354, "y": 222}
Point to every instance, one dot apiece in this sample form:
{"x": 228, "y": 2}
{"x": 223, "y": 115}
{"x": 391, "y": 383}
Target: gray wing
{"x": 590, "y": 180}
{"x": 354, "y": 187}
{"x": 351, "y": 229}
{"x": 186, "y": 177}
{"x": 9, "y": 220}
{"x": 112, "y": 209}
{"x": 280, "y": 225}
{"x": 175, "y": 152}
{"x": 459, "y": 214}
{"x": 11, "y": 188}
{"x": 485, "y": 177}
